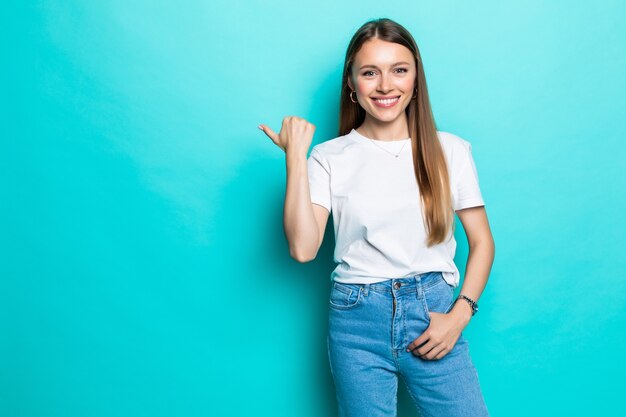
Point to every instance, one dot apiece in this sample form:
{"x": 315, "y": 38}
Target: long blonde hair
{"x": 429, "y": 160}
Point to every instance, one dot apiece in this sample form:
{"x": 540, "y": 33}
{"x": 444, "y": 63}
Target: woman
{"x": 393, "y": 183}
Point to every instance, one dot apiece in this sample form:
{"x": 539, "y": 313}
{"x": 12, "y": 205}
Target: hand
{"x": 295, "y": 134}
{"x": 439, "y": 338}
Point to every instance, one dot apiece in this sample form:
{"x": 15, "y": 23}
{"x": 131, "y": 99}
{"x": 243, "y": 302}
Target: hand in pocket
{"x": 438, "y": 339}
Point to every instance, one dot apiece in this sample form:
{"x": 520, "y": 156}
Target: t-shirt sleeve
{"x": 466, "y": 188}
{"x": 319, "y": 179}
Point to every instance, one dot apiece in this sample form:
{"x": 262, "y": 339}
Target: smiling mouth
{"x": 386, "y": 101}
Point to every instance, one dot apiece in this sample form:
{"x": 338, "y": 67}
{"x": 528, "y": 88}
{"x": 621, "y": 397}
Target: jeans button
{"x": 397, "y": 285}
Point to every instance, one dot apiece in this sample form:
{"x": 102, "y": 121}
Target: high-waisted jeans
{"x": 370, "y": 327}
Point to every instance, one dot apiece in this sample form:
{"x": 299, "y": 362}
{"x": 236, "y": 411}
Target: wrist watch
{"x": 473, "y": 304}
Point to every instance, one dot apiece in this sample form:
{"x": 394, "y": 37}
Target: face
{"x": 383, "y": 75}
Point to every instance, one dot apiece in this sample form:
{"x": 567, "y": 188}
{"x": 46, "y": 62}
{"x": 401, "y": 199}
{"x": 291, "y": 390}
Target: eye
{"x": 403, "y": 69}
{"x": 367, "y": 72}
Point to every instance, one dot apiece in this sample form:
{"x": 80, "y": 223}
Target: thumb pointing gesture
{"x": 271, "y": 134}
{"x": 295, "y": 135}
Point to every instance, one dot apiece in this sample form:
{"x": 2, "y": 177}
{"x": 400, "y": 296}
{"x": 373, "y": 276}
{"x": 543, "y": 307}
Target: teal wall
{"x": 143, "y": 265}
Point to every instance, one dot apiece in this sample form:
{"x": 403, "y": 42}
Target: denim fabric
{"x": 367, "y": 341}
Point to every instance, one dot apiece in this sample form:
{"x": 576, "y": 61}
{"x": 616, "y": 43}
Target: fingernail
{"x": 259, "y": 126}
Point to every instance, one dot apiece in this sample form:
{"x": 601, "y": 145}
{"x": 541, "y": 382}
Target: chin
{"x": 386, "y": 117}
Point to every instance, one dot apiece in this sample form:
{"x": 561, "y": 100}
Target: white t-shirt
{"x": 374, "y": 199}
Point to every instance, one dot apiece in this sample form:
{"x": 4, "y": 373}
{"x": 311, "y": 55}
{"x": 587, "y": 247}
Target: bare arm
{"x": 304, "y": 222}
{"x": 479, "y": 261}
{"x": 444, "y": 329}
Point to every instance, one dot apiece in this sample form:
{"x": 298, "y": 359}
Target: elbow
{"x": 300, "y": 256}
{"x": 487, "y": 242}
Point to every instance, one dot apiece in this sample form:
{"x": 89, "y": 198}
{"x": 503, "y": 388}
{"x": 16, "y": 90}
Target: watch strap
{"x": 473, "y": 304}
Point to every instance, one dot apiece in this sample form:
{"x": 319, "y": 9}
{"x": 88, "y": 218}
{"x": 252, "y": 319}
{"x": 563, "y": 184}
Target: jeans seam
{"x": 424, "y": 304}
{"x": 330, "y": 363}
{"x": 433, "y": 284}
{"x": 342, "y": 288}
{"x": 417, "y": 405}
{"x": 349, "y": 306}
{"x": 429, "y": 287}
{"x": 404, "y": 332}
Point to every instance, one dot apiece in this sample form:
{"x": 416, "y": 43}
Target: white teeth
{"x": 387, "y": 101}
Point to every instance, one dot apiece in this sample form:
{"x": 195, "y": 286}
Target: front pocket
{"x": 438, "y": 298}
{"x": 344, "y": 296}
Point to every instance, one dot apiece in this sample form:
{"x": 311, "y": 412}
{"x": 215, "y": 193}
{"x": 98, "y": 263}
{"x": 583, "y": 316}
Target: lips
{"x": 386, "y": 101}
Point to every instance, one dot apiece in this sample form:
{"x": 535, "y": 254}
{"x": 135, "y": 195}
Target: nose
{"x": 383, "y": 84}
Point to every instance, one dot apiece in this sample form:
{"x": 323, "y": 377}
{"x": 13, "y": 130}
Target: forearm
{"x": 479, "y": 262}
{"x": 301, "y": 229}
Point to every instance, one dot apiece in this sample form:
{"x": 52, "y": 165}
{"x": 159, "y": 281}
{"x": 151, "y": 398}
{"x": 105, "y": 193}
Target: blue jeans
{"x": 369, "y": 329}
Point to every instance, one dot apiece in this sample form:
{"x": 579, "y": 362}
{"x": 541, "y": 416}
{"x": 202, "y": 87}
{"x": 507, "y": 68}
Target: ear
{"x": 350, "y": 82}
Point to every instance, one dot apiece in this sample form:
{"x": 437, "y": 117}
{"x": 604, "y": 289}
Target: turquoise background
{"x": 144, "y": 269}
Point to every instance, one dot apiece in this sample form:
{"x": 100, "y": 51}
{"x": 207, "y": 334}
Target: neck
{"x": 385, "y": 131}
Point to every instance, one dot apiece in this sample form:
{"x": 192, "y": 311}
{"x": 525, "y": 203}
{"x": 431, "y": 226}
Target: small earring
{"x": 351, "y": 99}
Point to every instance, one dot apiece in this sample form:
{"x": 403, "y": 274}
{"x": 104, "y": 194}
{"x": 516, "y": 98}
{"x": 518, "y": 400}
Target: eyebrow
{"x": 374, "y": 66}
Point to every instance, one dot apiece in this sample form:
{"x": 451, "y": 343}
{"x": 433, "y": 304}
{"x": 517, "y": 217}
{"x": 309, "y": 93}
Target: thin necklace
{"x": 386, "y": 150}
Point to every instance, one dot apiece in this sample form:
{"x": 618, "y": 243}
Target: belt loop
{"x": 418, "y": 284}
{"x": 366, "y": 289}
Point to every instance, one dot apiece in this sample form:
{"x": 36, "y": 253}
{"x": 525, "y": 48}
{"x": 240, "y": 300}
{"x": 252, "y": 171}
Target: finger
{"x": 418, "y": 342}
{"x": 441, "y": 354}
{"x": 269, "y": 132}
{"x": 421, "y": 349}
{"x": 432, "y": 355}
{"x": 425, "y": 350}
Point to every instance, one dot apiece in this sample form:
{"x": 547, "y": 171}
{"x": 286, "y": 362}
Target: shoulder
{"x": 332, "y": 147}
{"x": 451, "y": 142}
{"x": 456, "y": 148}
